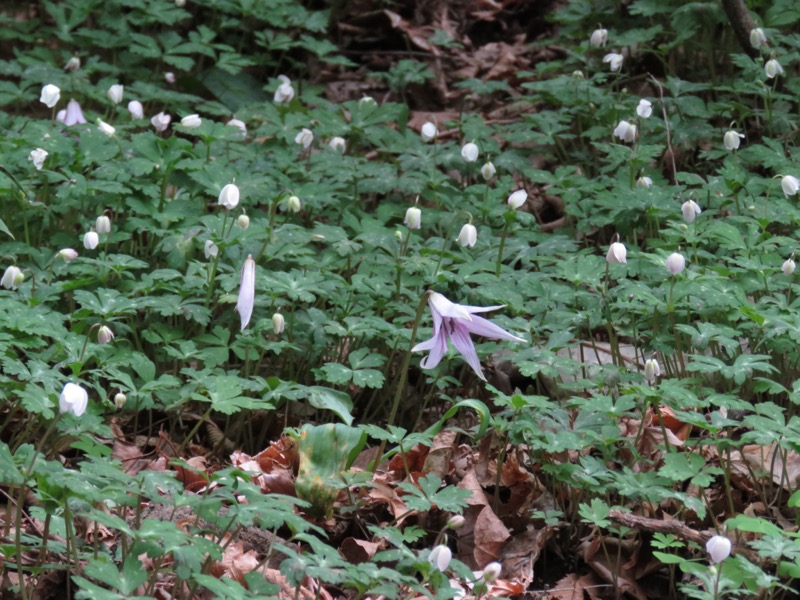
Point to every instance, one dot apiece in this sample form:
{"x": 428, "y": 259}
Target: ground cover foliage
{"x": 208, "y": 387}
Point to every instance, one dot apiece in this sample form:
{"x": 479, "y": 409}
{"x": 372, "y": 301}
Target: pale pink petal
{"x": 247, "y": 291}
{"x": 463, "y": 343}
{"x": 481, "y": 326}
{"x": 438, "y": 347}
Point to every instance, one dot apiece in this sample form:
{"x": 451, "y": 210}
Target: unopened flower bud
{"x": 617, "y": 253}
{"x": 73, "y": 64}
{"x": 109, "y": 130}
{"x": 91, "y": 240}
{"x": 243, "y": 222}
{"x": 103, "y": 224}
{"x": 718, "y": 548}
{"x": 491, "y": 572}
{"x": 12, "y": 278}
{"x": 293, "y": 204}
{"x": 488, "y": 171}
{"x": 788, "y": 267}
{"x": 440, "y": 557}
{"x": 675, "y": 263}
{"x": 115, "y": 93}
{"x": 413, "y": 218}
{"x": 119, "y": 400}
{"x": 456, "y": 522}
{"x": 757, "y": 37}
{"x": 651, "y": 370}
{"x": 105, "y": 335}
{"x": 191, "y": 121}
{"x": 278, "y": 323}
{"x": 429, "y": 132}
{"x": 68, "y": 254}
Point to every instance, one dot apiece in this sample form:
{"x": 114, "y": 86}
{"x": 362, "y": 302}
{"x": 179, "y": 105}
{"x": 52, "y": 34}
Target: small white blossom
{"x": 644, "y": 109}
{"x": 161, "y": 121}
{"x": 440, "y": 557}
{"x": 469, "y": 152}
{"x": 599, "y": 38}
{"x": 790, "y": 185}
{"x": 652, "y": 370}
{"x": 617, "y": 253}
{"x": 338, "y": 144}
{"x": 136, "y": 109}
{"x": 210, "y": 249}
{"x": 773, "y": 68}
{"x": 614, "y": 60}
{"x": 247, "y": 291}
{"x": 517, "y": 199}
{"x": 229, "y": 196}
{"x": 690, "y": 210}
{"x": 304, "y": 138}
{"x": 285, "y": 91}
{"x": 106, "y": 128}
{"x": 732, "y": 139}
{"x": 488, "y": 171}
{"x": 644, "y": 181}
{"x": 788, "y": 267}
{"x": 429, "y": 132}
{"x": 169, "y": 77}
{"x": 626, "y": 132}
{"x": 50, "y": 95}
{"x": 468, "y": 236}
{"x": 38, "y": 156}
{"x": 757, "y": 37}
{"x": 240, "y": 125}
{"x": 73, "y": 399}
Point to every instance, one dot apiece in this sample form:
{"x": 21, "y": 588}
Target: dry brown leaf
{"x": 782, "y": 466}
{"x": 440, "y": 454}
{"x": 489, "y": 537}
{"x": 573, "y": 587}
{"x": 358, "y": 551}
{"x": 522, "y": 551}
{"x": 382, "y": 493}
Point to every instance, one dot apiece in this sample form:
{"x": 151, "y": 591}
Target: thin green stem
{"x": 401, "y": 384}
